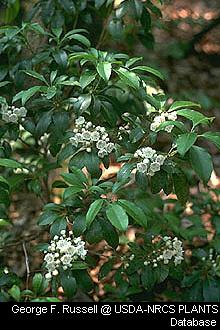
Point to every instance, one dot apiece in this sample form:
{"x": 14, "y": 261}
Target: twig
{"x": 26, "y": 263}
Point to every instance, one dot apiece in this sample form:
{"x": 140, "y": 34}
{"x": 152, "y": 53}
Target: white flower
{"x": 72, "y": 250}
{"x": 63, "y": 245}
{"x": 13, "y": 118}
{"x": 141, "y": 167}
{"x": 146, "y": 161}
{"x": 79, "y": 137}
{"x": 154, "y": 167}
{"x": 110, "y": 147}
{"x": 48, "y": 276}
{"x": 102, "y": 153}
{"x": 148, "y": 152}
{"x": 86, "y": 135}
{"x": 167, "y": 254}
{"x": 160, "y": 159}
{"x": 88, "y": 125}
{"x": 150, "y": 173}
{"x": 23, "y": 111}
{"x": 6, "y": 271}
{"x": 66, "y": 259}
{"x": 95, "y": 136}
{"x": 49, "y": 257}
{"x": 172, "y": 116}
{"x": 51, "y": 266}
{"x": 63, "y": 232}
{"x": 169, "y": 128}
{"x": 177, "y": 245}
{"x": 80, "y": 121}
{"x": 101, "y": 144}
{"x": 55, "y": 272}
{"x": 74, "y": 141}
{"x": 178, "y": 260}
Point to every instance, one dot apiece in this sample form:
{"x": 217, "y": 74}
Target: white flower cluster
{"x": 150, "y": 160}
{"x": 215, "y": 261}
{"x": 11, "y": 114}
{"x": 123, "y": 130}
{"x": 62, "y": 252}
{"x": 171, "y": 250}
{"x": 88, "y": 135}
{"x": 161, "y": 119}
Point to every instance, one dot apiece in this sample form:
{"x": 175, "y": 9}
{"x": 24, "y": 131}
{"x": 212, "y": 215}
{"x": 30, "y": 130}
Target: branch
{"x": 26, "y": 263}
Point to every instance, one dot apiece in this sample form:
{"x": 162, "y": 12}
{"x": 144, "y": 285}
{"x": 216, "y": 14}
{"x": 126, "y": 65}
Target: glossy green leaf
{"x": 117, "y": 216}
{"x": 128, "y": 78}
{"x": 134, "y": 211}
{"x": 104, "y": 69}
{"x": 93, "y": 210}
{"x": 185, "y": 141}
{"x": 201, "y": 162}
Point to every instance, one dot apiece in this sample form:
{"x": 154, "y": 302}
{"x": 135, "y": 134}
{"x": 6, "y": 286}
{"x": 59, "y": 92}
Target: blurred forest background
{"x": 184, "y": 44}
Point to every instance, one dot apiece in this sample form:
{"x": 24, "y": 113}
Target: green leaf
{"x": 94, "y": 234}
{"x": 211, "y": 291}
{"x": 181, "y": 187}
{"x": 86, "y": 78}
{"x": 68, "y": 192}
{"x": 58, "y": 225}
{"x": 15, "y": 292}
{"x": 82, "y": 39}
{"x": 99, "y": 3}
{"x": 125, "y": 171}
{"x": 65, "y": 153}
{"x": 83, "y": 280}
{"x": 38, "y": 28}
{"x": 35, "y": 75}
{"x": 12, "y": 11}
{"x": 93, "y": 210}
{"x": 149, "y": 70}
{"x": 128, "y": 78}
{"x": 148, "y": 278}
{"x": 117, "y": 216}
{"x": 10, "y": 163}
{"x": 183, "y": 104}
{"x": 104, "y": 69}
{"x": 72, "y": 179}
{"x": 109, "y": 233}
{"x": 4, "y": 196}
{"x": 27, "y": 94}
{"x": 61, "y": 58}
{"x": 69, "y": 285}
{"x": 213, "y": 137}
{"x": 185, "y": 141}
{"x": 37, "y": 283}
{"x": 177, "y": 124}
{"x": 158, "y": 181}
{"x": 2, "y": 179}
{"x": 134, "y": 211}
{"x": 79, "y": 225}
{"x": 106, "y": 268}
{"x": 43, "y": 123}
{"x": 46, "y": 218}
{"x": 195, "y": 116}
{"x": 201, "y": 162}
{"x": 79, "y": 265}
{"x": 4, "y": 83}
{"x": 4, "y": 222}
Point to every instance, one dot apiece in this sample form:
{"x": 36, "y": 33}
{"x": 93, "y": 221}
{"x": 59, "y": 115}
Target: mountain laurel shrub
{"x": 69, "y": 108}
